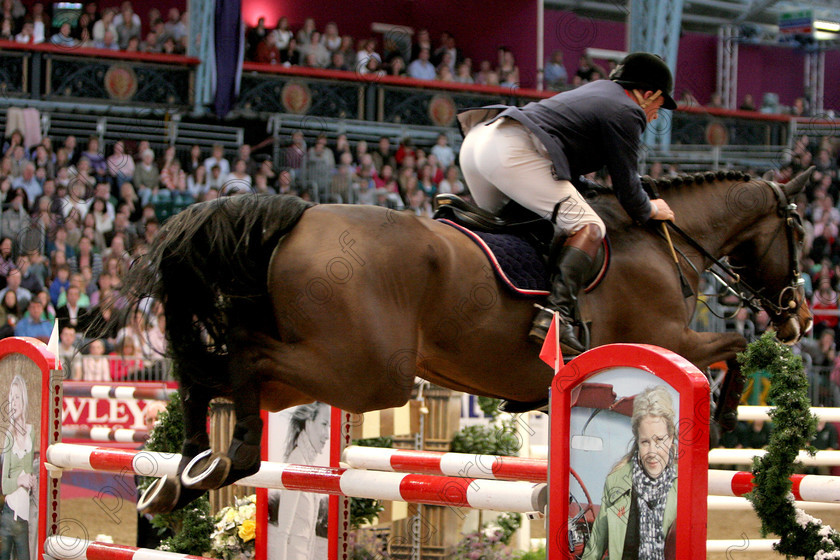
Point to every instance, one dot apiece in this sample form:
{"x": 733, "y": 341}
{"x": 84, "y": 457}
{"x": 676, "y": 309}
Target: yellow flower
{"x": 248, "y": 529}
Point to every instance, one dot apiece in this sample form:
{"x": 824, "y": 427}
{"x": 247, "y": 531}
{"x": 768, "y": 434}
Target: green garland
{"x": 794, "y": 429}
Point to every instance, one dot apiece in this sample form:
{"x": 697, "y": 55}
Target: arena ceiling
{"x": 709, "y": 15}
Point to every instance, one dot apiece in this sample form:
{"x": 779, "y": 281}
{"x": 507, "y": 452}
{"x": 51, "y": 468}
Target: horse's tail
{"x": 208, "y": 264}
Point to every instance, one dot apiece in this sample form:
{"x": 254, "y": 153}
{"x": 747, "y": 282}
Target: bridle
{"x": 778, "y": 310}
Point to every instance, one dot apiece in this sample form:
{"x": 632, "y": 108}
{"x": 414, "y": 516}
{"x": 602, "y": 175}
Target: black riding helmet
{"x": 647, "y": 72}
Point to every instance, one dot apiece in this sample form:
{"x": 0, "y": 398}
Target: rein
{"x": 746, "y": 293}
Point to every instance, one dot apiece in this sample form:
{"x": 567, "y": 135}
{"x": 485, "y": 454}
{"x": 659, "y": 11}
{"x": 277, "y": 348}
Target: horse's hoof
{"x": 160, "y": 497}
{"x": 207, "y": 471}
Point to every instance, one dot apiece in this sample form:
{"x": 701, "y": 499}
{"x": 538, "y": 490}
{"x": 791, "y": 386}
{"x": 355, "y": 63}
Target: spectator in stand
{"x": 800, "y": 108}
{"x": 485, "y": 75}
{"x": 41, "y": 159}
{"x": 197, "y": 182}
{"x": 33, "y": 323}
{"x": 15, "y": 217}
{"x": 396, "y": 66}
{"x": 586, "y": 67}
{"x": 331, "y": 39}
{"x": 383, "y": 154}
{"x": 348, "y": 51}
{"x": 193, "y": 160}
{"x": 120, "y": 165}
{"x": 105, "y": 24}
{"x": 825, "y": 298}
{"x": 444, "y": 73}
{"x": 174, "y": 27}
{"x": 447, "y": 46}
{"x": 267, "y": 51}
{"x": 108, "y": 42}
{"x": 93, "y": 366}
{"x": 748, "y": 104}
{"x": 463, "y": 73}
{"x": 7, "y": 30}
{"x": 555, "y": 75}
{"x": 282, "y": 34}
{"x": 7, "y": 260}
{"x": 338, "y": 62}
{"x": 239, "y": 178}
{"x": 27, "y": 34}
{"x": 128, "y": 26}
{"x": 97, "y": 161}
{"x": 126, "y": 13}
{"x": 291, "y": 55}
{"x": 41, "y": 22}
{"x": 315, "y": 50}
{"x": 72, "y": 313}
{"x": 507, "y": 70}
{"x": 444, "y": 152}
{"x": 716, "y": 101}
{"x": 451, "y": 182}
{"x": 28, "y": 182}
{"x": 253, "y": 37}
{"x": 29, "y": 279}
{"x": 367, "y": 50}
{"x": 124, "y": 362}
{"x": 150, "y": 44}
{"x": 67, "y": 349}
{"x": 146, "y": 175}
{"x": 422, "y": 68}
{"x": 10, "y": 314}
{"x": 295, "y": 153}
{"x": 424, "y": 41}
{"x": 306, "y": 31}
{"x": 64, "y": 37}
{"x": 217, "y": 157}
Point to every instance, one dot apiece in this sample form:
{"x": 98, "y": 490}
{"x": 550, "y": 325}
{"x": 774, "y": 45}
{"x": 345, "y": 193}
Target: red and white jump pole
{"x": 495, "y": 495}
{"x": 490, "y": 467}
{"x": 151, "y": 391}
{"x": 69, "y": 548}
{"x": 806, "y": 488}
{"x": 105, "y": 434}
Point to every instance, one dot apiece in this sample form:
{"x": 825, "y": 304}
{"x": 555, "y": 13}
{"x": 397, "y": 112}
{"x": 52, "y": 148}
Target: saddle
{"x": 513, "y": 219}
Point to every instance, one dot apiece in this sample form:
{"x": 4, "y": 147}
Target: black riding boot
{"x": 572, "y": 269}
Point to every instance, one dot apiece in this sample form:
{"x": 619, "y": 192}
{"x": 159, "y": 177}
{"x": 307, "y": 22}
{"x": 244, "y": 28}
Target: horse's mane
{"x": 652, "y": 185}
{"x": 693, "y": 179}
{"x": 208, "y": 262}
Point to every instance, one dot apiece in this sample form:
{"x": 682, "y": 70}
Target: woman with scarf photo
{"x": 639, "y": 505}
{"x": 18, "y": 475}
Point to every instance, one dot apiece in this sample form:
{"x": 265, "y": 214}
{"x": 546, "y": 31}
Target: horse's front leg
{"x": 166, "y": 493}
{"x": 705, "y": 349}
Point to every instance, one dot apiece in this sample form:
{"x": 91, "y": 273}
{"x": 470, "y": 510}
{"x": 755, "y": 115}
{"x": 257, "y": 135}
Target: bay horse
{"x": 275, "y": 302}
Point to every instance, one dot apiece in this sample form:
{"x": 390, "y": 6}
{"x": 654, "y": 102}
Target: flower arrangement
{"x": 234, "y": 530}
{"x": 483, "y": 545}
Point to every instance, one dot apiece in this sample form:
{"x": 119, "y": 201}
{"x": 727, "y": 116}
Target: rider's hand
{"x": 660, "y": 210}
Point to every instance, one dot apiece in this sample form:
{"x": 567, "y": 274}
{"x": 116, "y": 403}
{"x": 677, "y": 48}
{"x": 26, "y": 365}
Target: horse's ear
{"x": 795, "y": 185}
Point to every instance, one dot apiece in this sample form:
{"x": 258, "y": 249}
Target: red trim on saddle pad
{"x": 497, "y": 268}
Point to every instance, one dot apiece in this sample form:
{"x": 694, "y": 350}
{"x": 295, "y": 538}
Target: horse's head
{"x": 768, "y": 261}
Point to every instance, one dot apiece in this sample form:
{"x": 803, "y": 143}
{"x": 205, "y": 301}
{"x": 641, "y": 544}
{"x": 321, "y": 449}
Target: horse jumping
{"x": 274, "y": 302}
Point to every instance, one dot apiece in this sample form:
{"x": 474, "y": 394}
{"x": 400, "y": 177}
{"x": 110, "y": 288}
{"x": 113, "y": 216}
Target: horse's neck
{"x": 722, "y": 215}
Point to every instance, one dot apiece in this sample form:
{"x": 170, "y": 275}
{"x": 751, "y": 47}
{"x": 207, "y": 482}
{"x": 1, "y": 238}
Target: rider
{"x": 536, "y": 155}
